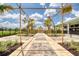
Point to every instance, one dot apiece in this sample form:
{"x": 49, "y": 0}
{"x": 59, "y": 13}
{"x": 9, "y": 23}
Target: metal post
{"x": 20, "y": 31}
{"x": 68, "y": 29}
{"x": 62, "y": 23}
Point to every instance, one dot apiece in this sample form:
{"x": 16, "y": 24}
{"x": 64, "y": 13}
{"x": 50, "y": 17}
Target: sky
{"x": 11, "y": 19}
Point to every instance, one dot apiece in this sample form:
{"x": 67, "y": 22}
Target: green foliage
{"x": 47, "y": 22}
{"x": 58, "y": 31}
{"x": 66, "y": 9}
{"x": 8, "y": 43}
{"x": 7, "y": 33}
{"x": 5, "y": 44}
{"x": 2, "y": 48}
{"x": 31, "y": 22}
{"x": 4, "y": 8}
{"x": 75, "y": 45}
{"x": 13, "y": 43}
{"x": 30, "y": 25}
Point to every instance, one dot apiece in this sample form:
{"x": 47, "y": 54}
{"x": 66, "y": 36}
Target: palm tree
{"x": 48, "y": 23}
{"x": 4, "y": 7}
{"x": 31, "y": 23}
{"x": 40, "y": 29}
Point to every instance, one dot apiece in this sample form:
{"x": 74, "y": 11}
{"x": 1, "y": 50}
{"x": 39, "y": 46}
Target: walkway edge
{"x": 58, "y": 49}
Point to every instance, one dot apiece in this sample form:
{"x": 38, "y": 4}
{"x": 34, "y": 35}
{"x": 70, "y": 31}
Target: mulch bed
{"x": 71, "y": 50}
{"x": 10, "y": 50}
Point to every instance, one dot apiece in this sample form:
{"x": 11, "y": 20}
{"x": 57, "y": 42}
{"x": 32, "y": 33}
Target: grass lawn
{"x": 7, "y": 33}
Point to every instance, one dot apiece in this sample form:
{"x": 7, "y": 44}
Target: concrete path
{"x": 41, "y": 45}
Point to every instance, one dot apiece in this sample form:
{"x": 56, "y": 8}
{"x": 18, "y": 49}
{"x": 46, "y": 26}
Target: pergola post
{"x": 20, "y": 30}
{"x": 68, "y": 28}
{"x": 62, "y": 15}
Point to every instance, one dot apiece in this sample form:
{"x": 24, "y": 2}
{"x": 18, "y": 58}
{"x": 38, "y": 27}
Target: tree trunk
{"x": 48, "y": 29}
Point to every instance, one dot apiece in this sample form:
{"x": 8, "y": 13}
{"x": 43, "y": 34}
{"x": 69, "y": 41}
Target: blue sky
{"x": 11, "y": 19}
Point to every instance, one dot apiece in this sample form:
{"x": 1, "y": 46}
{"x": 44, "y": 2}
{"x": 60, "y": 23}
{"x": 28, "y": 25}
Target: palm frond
{"x": 4, "y": 8}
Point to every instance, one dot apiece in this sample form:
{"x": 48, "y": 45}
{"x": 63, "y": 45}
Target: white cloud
{"x": 8, "y": 24}
{"x": 1, "y": 20}
{"x": 43, "y": 4}
{"x": 12, "y": 16}
{"x": 76, "y": 13}
{"x": 15, "y": 16}
{"x": 50, "y": 12}
{"x": 9, "y": 15}
{"x": 38, "y": 23}
{"x": 54, "y": 5}
{"x": 36, "y": 16}
{"x": 58, "y": 23}
{"x": 68, "y": 19}
{"x": 45, "y": 18}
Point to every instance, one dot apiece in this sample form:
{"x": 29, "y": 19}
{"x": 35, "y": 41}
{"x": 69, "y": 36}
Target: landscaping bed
{"x": 72, "y": 47}
{"x": 7, "y": 47}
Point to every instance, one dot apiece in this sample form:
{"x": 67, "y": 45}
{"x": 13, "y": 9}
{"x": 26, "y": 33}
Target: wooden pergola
{"x": 21, "y": 10}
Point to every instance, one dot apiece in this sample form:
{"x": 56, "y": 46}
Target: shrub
{"x": 74, "y": 43}
{"x": 2, "y": 48}
{"x": 11, "y": 43}
{"x": 2, "y": 43}
{"x": 5, "y": 44}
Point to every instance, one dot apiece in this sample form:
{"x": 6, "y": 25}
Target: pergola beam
{"x": 36, "y": 8}
{"x": 22, "y": 9}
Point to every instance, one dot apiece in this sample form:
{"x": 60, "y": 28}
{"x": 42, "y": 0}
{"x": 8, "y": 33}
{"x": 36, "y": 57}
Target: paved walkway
{"x": 41, "y": 45}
